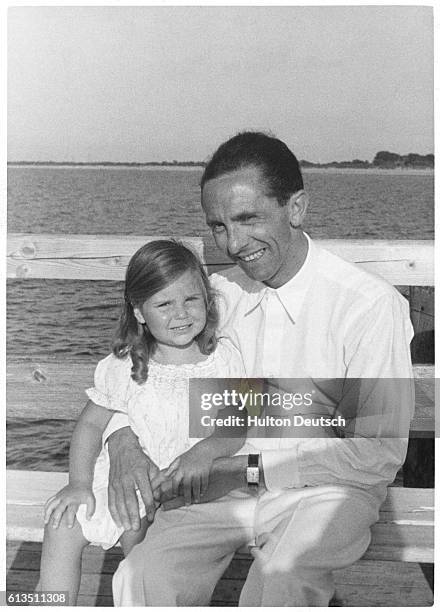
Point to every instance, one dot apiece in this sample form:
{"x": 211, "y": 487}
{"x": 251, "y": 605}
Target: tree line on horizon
{"x": 382, "y": 159}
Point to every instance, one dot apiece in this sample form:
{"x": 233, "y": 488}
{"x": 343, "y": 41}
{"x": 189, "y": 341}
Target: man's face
{"x": 251, "y": 227}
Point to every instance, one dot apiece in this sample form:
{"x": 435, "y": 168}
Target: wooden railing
{"x": 90, "y": 257}
{"x": 50, "y": 389}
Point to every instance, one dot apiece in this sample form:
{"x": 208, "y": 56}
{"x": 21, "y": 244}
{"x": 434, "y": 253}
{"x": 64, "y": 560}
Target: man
{"x": 295, "y": 311}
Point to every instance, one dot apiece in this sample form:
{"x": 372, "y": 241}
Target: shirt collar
{"x": 292, "y": 293}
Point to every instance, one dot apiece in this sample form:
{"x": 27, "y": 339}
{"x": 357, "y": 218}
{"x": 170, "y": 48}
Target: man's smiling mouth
{"x": 253, "y": 256}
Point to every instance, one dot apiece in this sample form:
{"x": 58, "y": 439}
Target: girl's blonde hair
{"x": 152, "y": 268}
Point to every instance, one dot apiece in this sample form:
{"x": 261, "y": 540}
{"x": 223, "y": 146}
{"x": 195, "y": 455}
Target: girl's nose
{"x": 181, "y": 311}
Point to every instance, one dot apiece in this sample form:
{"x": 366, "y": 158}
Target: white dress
{"x": 158, "y": 414}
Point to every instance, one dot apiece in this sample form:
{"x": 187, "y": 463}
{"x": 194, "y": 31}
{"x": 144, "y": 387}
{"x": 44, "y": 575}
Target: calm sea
{"x": 70, "y": 319}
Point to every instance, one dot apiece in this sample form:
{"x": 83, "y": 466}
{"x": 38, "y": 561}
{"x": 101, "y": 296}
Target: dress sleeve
{"x": 112, "y": 384}
{"x": 232, "y": 365}
{"x": 378, "y": 358}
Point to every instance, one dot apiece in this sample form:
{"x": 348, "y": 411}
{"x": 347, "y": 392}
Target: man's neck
{"x": 296, "y": 257}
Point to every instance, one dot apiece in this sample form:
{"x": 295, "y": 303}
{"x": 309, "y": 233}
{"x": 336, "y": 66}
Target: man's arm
{"x": 130, "y": 469}
{"x": 378, "y": 357}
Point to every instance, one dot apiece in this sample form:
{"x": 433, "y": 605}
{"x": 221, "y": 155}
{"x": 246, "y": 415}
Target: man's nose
{"x": 237, "y": 239}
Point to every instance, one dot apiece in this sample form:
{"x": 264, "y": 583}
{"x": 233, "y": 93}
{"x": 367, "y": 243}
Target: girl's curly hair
{"x": 152, "y": 268}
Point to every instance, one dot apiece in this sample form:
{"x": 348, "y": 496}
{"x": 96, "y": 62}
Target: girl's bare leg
{"x": 61, "y": 559}
{"x": 130, "y": 538}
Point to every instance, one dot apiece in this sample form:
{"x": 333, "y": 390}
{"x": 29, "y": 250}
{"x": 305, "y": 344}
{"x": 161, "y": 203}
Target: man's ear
{"x": 139, "y": 316}
{"x": 297, "y": 204}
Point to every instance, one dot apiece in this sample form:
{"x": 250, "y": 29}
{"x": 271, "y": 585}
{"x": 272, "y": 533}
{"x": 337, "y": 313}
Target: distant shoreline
{"x": 183, "y": 167}
{"x": 397, "y": 171}
{"x": 127, "y": 166}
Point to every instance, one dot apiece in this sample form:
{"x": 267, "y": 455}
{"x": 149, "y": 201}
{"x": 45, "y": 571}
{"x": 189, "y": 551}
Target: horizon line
{"x": 190, "y": 162}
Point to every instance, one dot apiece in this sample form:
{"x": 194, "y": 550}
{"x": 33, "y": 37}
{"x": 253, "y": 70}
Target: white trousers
{"x": 302, "y": 535}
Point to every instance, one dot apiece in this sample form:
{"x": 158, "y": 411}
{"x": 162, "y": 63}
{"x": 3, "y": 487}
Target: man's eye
{"x": 217, "y": 228}
{"x": 249, "y": 219}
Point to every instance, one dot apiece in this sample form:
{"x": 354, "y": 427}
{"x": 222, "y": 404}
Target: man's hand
{"x": 227, "y": 474}
{"x": 130, "y": 469}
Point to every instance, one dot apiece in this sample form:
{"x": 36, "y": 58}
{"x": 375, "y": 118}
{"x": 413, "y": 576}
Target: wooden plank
{"x": 402, "y": 543}
{"x": 77, "y": 256}
{"x": 90, "y": 586}
{"x": 228, "y": 592}
{"x": 26, "y": 494}
{"x": 382, "y": 595}
{"x": 89, "y": 257}
{"x": 405, "y": 498}
{"x": 32, "y": 488}
{"x": 25, "y": 555}
{"x": 353, "y": 584}
{"x": 400, "y": 262}
{"x": 56, "y": 390}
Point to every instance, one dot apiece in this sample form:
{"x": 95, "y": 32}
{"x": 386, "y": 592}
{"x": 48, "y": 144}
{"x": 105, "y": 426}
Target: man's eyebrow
{"x": 243, "y": 216}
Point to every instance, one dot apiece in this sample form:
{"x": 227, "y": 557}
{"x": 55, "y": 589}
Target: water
{"x": 71, "y": 319}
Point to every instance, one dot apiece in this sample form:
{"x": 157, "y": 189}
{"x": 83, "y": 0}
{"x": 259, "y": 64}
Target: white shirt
{"x": 332, "y": 320}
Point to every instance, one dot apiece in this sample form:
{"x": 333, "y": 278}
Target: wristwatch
{"x": 253, "y": 472}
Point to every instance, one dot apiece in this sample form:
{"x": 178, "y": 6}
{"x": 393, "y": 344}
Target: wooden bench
{"x": 405, "y": 531}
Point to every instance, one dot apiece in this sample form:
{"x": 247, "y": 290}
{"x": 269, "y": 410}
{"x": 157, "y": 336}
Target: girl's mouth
{"x": 181, "y": 327}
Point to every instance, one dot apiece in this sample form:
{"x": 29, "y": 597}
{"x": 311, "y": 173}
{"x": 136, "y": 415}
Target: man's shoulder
{"x": 351, "y": 278}
{"x": 234, "y": 281}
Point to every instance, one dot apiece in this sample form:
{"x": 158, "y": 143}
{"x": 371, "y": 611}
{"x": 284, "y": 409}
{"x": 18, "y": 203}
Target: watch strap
{"x": 253, "y": 472}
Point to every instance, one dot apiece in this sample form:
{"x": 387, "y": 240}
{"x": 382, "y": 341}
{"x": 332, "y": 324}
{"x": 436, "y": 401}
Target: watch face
{"x": 253, "y": 475}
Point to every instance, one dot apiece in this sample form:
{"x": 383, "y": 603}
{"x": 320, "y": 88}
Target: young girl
{"x": 166, "y": 335}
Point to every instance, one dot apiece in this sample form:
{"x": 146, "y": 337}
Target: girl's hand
{"x": 162, "y": 487}
{"x": 190, "y": 472}
{"x": 67, "y": 501}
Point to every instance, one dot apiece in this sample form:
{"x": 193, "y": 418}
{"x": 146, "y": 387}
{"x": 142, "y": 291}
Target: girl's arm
{"x": 84, "y": 449}
{"x": 86, "y": 443}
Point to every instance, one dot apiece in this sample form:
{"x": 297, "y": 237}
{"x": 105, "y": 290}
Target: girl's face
{"x": 177, "y": 314}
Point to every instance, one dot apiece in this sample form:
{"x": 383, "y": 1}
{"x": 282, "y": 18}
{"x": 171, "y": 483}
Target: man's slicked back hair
{"x": 278, "y": 165}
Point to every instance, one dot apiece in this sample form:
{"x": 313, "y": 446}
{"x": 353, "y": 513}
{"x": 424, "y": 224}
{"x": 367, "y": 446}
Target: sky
{"x": 153, "y": 83}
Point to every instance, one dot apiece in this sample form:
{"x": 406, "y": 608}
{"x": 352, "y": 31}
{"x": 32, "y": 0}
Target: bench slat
{"x": 391, "y": 540}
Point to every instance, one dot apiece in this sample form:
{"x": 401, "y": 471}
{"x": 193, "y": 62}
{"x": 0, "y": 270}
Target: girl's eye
{"x": 193, "y": 298}
{"x": 163, "y": 304}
